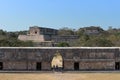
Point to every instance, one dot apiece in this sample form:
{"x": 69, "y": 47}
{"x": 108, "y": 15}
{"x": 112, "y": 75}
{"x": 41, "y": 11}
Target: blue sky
{"x": 20, "y": 14}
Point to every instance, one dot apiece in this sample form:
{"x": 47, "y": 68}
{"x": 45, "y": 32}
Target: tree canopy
{"x": 9, "y": 39}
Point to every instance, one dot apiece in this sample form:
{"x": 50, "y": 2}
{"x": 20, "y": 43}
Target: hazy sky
{"x": 20, "y": 14}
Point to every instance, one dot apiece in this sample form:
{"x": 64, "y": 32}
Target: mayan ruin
{"x": 72, "y": 58}
{"x": 46, "y": 36}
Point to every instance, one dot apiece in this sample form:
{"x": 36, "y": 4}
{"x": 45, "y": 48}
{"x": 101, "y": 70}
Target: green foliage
{"x": 66, "y": 31}
{"x": 15, "y": 43}
{"x": 93, "y": 41}
{"x": 80, "y": 32}
{"x": 63, "y": 44}
{"x": 99, "y": 42}
{"x": 2, "y": 32}
{"x": 104, "y": 43}
{"x": 9, "y": 39}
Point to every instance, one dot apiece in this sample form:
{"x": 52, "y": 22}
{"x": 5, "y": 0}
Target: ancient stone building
{"x": 92, "y": 30}
{"x": 38, "y": 34}
{"x": 72, "y": 58}
{"x": 66, "y": 38}
{"x": 46, "y": 36}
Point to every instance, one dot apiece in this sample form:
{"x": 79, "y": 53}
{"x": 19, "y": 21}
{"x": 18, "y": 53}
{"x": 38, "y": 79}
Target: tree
{"x": 15, "y": 43}
{"x": 62, "y": 44}
{"x": 66, "y": 31}
{"x": 99, "y": 42}
{"x": 2, "y": 32}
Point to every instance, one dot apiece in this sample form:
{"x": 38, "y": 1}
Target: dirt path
{"x": 59, "y": 76}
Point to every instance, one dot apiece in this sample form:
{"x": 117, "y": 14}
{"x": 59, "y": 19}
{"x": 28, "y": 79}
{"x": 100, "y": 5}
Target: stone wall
{"x": 69, "y": 65}
{"x": 35, "y": 38}
{"x": 67, "y": 38}
{"x": 14, "y": 65}
{"x": 35, "y": 30}
{"x": 26, "y": 58}
{"x": 97, "y": 65}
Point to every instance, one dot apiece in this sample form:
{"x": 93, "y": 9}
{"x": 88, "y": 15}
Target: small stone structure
{"x": 92, "y": 30}
{"x": 38, "y": 34}
{"x": 74, "y": 58}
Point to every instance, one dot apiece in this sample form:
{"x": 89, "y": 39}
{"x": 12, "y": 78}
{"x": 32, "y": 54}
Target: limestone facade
{"x": 38, "y": 34}
{"x": 74, "y": 58}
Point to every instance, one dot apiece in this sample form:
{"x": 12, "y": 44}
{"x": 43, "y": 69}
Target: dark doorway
{"x": 76, "y": 66}
{"x": 38, "y": 66}
{"x": 1, "y": 65}
{"x": 117, "y": 65}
